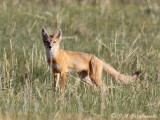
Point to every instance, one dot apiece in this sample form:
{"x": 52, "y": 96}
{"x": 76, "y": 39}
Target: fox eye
{"x": 54, "y": 41}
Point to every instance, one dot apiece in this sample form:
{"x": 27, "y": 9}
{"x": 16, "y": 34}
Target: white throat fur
{"x": 52, "y": 53}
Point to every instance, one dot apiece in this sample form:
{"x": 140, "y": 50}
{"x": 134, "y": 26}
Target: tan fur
{"x": 86, "y": 65}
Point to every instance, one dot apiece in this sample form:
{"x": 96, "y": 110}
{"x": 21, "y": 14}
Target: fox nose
{"x": 49, "y": 47}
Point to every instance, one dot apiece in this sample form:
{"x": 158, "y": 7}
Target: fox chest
{"x": 54, "y": 66}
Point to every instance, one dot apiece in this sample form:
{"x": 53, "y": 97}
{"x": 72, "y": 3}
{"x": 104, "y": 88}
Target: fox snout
{"x": 49, "y": 47}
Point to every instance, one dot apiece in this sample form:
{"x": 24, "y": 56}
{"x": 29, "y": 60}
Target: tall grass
{"x": 124, "y": 34}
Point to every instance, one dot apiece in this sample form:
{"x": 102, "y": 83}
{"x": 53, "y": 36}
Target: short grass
{"x": 123, "y": 33}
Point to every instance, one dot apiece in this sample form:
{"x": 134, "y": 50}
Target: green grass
{"x": 124, "y": 34}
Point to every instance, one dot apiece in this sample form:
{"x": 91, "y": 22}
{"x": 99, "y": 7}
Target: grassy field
{"x": 125, "y": 34}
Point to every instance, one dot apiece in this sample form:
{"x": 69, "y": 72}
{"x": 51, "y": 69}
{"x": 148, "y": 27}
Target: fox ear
{"x": 58, "y": 34}
{"x": 44, "y": 33}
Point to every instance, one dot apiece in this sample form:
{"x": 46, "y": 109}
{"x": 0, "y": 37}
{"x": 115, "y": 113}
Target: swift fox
{"x": 88, "y": 67}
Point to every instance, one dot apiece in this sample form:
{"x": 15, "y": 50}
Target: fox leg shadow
{"x": 84, "y": 76}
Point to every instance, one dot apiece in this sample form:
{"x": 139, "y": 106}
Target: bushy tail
{"x": 120, "y": 77}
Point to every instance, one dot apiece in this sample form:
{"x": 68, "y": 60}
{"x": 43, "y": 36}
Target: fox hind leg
{"x": 95, "y": 73}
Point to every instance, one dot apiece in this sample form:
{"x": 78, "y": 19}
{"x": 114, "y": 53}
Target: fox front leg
{"x": 63, "y": 76}
{"x": 56, "y": 80}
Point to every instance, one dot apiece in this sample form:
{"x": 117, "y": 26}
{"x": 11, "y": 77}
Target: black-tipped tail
{"x": 138, "y": 73}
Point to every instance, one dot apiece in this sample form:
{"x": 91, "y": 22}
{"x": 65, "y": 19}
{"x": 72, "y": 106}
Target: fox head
{"x": 51, "y": 41}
